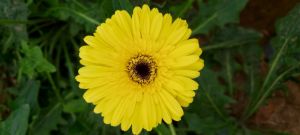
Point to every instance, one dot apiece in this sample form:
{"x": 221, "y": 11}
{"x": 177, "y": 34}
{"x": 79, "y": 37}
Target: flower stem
{"x": 172, "y": 129}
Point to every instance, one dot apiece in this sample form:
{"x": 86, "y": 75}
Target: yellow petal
{"x": 95, "y": 94}
{"x": 88, "y": 82}
{"x": 156, "y": 23}
{"x": 97, "y": 43}
{"x": 119, "y": 111}
{"x": 187, "y": 73}
{"x": 184, "y": 101}
{"x": 111, "y": 35}
{"x": 186, "y": 35}
{"x": 176, "y": 35}
{"x": 166, "y": 27}
{"x": 123, "y": 21}
{"x": 185, "y": 48}
{"x": 164, "y": 112}
{"x": 159, "y": 112}
{"x": 137, "y": 123}
{"x": 198, "y": 65}
{"x": 130, "y": 108}
{"x": 145, "y": 22}
{"x": 172, "y": 105}
{"x": 136, "y": 23}
{"x": 152, "y": 112}
{"x": 99, "y": 106}
{"x": 184, "y": 61}
{"x": 198, "y": 52}
{"x": 95, "y": 71}
{"x": 109, "y": 109}
{"x": 89, "y": 54}
{"x": 173, "y": 85}
{"x": 145, "y": 112}
{"x": 188, "y": 83}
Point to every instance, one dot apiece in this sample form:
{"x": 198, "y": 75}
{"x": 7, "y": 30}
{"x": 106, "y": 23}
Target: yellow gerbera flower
{"x": 138, "y": 70}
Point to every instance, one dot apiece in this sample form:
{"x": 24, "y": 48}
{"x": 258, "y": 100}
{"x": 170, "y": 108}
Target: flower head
{"x": 138, "y": 70}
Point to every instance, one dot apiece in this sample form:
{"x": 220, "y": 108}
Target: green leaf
{"x": 13, "y": 19}
{"x": 28, "y": 93}
{"x": 246, "y": 131}
{"x": 33, "y": 61}
{"x": 217, "y": 13}
{"x": 240, "y": 34}
{"x": 47, "y": 120}
{"x": 17, "y": 122}
{"x": 122, "y": 4}
{"x": 208, "y": 108}
{"x": 287, "y": 46}
{"x": 224, "y": 48}
{"x": 208, "y": 125}
{"x": 75, "y": 105}
{"x": 162, "y": 129}
{"x": 213, "y": 95}
{"x": 85, "y": 122}
{"x": 179, "y": 9}
{"x": 193, "y": 122}
{"x": 13, "y": 10}
{"x": 84, "y": 14}
{"x": 288, "y": 27}
{"x": 288, "y": 31}
{"x": 92, "y": 122}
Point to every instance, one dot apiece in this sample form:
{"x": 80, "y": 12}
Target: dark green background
{"x": 39, "y": 42}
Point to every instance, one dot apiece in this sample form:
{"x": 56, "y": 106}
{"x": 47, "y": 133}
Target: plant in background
{"x": 139, "y": 70}
{"x": 39, "y": 51}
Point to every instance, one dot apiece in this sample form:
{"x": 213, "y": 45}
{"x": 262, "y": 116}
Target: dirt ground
{"x": 282, "y": 112}
{"x": 262, "y": 14}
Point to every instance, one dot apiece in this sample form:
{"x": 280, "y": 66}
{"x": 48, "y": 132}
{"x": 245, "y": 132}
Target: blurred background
{"x": 249, "y": 86}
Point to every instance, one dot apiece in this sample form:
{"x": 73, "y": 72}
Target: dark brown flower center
{"x": 142, "y": 69}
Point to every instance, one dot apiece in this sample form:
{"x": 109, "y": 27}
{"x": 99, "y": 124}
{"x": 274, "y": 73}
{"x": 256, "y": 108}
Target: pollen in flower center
{"x": 142, "y": 69}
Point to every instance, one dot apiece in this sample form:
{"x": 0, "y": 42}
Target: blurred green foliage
{"x": 39, "y": 60}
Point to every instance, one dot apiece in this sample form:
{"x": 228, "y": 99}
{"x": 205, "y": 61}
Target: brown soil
{"x": 262, "y": 14}
{"x": 281, "y": 113}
